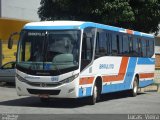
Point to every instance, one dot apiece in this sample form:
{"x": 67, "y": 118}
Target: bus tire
{"x": 94, "y": 97}
{"x": 134, "y": 90}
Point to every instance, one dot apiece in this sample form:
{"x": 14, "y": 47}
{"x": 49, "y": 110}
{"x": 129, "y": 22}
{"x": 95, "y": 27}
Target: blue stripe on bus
{"x": 145, "y": 83}
{"x": 148, "y": 61}
{"x": 88, "y": 92}
{"x": 112, "y": 28}
{"x": 127, "y": 80}
{"x": 130, "y": 72}
{"x": 101, "y": 26}
{"x": 50, "y": 27}
{"x": 137, "y": 33}
{"x": 147, "y": 35}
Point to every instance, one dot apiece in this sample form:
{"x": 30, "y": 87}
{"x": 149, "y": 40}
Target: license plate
{"x": 44, "y": 96}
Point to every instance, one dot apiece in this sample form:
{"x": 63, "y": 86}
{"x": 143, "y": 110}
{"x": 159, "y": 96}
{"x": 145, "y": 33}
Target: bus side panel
{"x": 86, "y": 91}
{"x": 103, "y": 67}
{"x": 127, "y": 81}
{"x": 145, "y": 68}
{"x": 85, "y": 86}
{"x": 117, "y": 74}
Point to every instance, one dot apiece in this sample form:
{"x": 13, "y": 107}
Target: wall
{"x": 157, "y": 51}
{"x": 8, "y": 26}
{"x": 158, "y": 61}
{"x": 13, "y": 15}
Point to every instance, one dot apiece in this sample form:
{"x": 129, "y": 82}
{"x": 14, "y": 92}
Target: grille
{"x": 38, "y": 84}
{"x": 50, "y": 92}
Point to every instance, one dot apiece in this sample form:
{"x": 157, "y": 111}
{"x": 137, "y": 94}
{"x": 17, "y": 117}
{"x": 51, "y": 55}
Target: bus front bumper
{"x": 67, "y": 90}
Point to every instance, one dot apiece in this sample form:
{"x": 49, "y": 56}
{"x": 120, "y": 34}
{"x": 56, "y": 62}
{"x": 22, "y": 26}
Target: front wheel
{"x": 94, "y": 96}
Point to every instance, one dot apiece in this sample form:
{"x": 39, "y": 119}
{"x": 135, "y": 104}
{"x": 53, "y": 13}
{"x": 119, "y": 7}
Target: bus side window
{"x": 147, "y": 47}
{"x": 135, "y": 47}
{"x": 140, "y": 47}
{"x": 144, "y": 48}
{"x": 108, "y": 42}
{"x": 151, "y": 48}
{"x": 114, "y": 44}
{"x": 120, "y": 45}
{"x": 125, "y": 46}
{"x": 130, "y": 46}
{"x": 101, "y": 44}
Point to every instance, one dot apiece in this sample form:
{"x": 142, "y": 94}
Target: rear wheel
{"x": 134, "y": 90}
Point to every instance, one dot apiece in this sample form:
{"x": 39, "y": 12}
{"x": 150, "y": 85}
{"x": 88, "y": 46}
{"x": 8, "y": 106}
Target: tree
{"x": 147, "y": 15}
{"x": 140, "y": 15}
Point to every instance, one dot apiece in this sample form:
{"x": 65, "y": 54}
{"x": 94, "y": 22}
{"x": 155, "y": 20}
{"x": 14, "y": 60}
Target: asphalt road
{"x": 115, "y": 103}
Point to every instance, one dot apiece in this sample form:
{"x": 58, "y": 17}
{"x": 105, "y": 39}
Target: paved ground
{"x": 115, "y": 103}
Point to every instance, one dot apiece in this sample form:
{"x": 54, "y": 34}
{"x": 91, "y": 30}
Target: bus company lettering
{"x": 106, "y": 66}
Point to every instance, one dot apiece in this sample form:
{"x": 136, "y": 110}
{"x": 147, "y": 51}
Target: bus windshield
{"x": 49, "y": 50}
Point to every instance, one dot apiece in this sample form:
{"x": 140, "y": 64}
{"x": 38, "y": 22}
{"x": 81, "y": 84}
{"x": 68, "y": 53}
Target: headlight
{"x": 21, "y": 78}
{"x": 70, "y": 79}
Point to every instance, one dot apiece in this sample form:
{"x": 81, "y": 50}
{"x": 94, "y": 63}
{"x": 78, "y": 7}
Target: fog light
{"x": 71, "y": 90}
{"x": 19, "y": 88}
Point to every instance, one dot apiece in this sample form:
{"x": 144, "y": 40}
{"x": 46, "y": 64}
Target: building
{"x": 157, "y": 51}
{"x": 13, "y": 15}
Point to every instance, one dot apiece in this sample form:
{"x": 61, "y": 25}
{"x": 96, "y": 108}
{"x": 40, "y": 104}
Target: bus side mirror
{"x": 10, "y": 43}
{"x": 10, "y": 40}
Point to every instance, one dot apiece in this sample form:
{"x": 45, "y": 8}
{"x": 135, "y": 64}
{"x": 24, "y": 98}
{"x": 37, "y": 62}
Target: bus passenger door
{"x": 87, "y": 47}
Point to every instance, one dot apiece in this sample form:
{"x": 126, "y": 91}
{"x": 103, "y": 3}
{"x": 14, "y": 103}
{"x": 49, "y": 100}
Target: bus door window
{"x": 87, "y": 47}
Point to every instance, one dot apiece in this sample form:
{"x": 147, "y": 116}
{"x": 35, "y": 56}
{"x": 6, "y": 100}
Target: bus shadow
{"x": 61, "y": 103}
{"x": 117, "y": 95}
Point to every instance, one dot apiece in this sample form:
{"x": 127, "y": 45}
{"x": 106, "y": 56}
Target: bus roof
{"x": 64, "y": 25}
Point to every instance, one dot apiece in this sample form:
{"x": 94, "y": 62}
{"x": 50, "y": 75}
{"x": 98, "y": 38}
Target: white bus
{"x": 73, "y": 59}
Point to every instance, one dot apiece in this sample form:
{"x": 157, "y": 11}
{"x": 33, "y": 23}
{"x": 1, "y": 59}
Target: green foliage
{"x": 140, "y": 15}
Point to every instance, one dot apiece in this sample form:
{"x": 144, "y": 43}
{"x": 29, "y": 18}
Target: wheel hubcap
{"x": 95, "y": 93}
{"x": 135, "y": 88}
